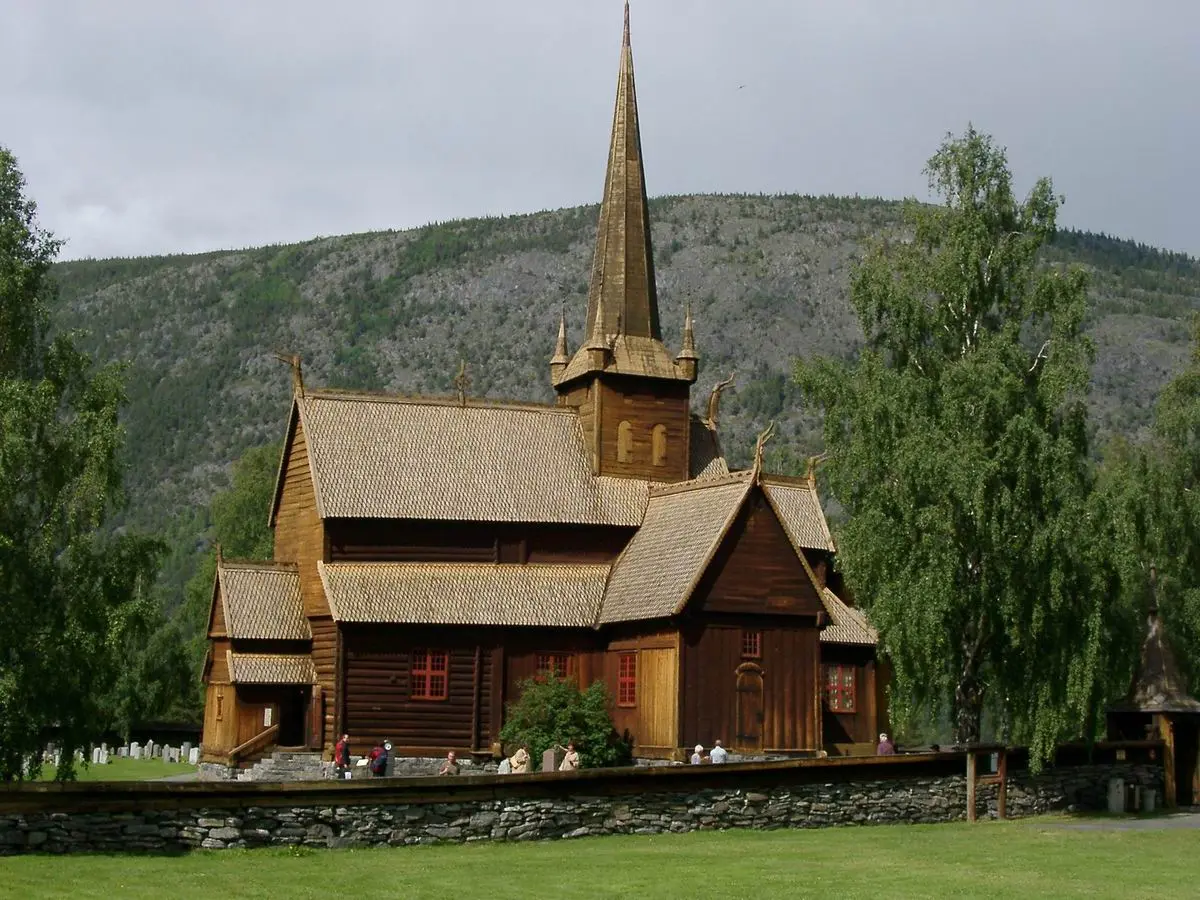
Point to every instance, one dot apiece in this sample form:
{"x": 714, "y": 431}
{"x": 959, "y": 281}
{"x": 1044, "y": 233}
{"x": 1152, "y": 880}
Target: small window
{"x": 840, "y": 689}
{"x": 627, "y": 680}
{"x": 624, "y": 442}
{"x": 556, "y": 664}
{"x": 658, "y": 445}
{"x": 430, "y": 674}
{"x": 220, "y": 704}
{"x": 268, "y": 715}
{"x": 752, "y": 644}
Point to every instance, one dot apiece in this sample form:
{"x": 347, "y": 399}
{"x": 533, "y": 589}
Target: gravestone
{"x": 103, "y": 756}
{"x": 95, "y": 756}
{"x": 548, "y": 761}
{"x": 135, "y": 751}
{"x": 194, "y": 756}
{"x": 122, "y": 751}
{"x": 148, "y": 752}
{"x": 184, "y": 749}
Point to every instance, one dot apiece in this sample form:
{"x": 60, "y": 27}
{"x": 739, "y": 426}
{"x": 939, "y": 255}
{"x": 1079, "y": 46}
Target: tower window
{"x": 624, "y": 442}
{"x": 658, "y": 444}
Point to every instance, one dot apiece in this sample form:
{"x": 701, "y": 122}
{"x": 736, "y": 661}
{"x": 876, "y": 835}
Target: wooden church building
{"x": 431, "y": 554}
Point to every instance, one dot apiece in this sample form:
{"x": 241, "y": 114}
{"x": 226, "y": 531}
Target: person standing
{"x": 449, "y": 765}
{"x": 341, "y": 756}
{"x": 570, "y": 761}
{"x": 520, "y": 761}
{"x": 719, "y": 754}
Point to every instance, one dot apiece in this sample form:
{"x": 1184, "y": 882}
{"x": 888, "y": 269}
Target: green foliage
{"x": 74, "y": 593}
{"x": 554, "y": 711}
{"x": 958, "y": 446}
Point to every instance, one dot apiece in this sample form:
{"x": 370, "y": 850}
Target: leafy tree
{"x": 71, "y": 590}
{"x": 554, "y": 711}
{"x": 958, "y": 445}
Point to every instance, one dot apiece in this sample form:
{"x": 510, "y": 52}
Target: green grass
{"x": 124, "y": 769}
{"x": 1034, "y": 858}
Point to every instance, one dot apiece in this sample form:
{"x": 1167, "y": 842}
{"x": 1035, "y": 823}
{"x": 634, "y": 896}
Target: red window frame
{"x": 752, "y": 645}
{"x": 430, "y": 674}
{"x": 841, "y": 686}
{"x": 627, "y": 680}
{"x": 560, "y": 665}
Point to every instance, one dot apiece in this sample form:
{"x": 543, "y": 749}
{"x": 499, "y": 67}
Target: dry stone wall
{"x": 561, "y": 815}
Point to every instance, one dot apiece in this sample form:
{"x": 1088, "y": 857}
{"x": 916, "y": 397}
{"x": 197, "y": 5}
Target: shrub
{"x": 554, "y": 711}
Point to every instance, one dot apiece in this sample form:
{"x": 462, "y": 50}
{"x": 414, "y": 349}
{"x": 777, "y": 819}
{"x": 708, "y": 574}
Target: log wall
{"x": 299, "y": 532}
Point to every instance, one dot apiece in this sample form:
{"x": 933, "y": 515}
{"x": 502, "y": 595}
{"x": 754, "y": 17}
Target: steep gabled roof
{"x": 262, "y": 601}
{"x": 796, "y": 503}
{"x": 847, "y": 625}
{"x": 1159, "y": 685}
{"x": 395, "y": 457}
{"x": 271, "y": 668}
{"x": 683, "y": 527}
{"x": 464, "y": 593}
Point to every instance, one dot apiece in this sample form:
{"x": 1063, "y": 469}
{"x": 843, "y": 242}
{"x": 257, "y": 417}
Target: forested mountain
{"x": 767, "y": 279}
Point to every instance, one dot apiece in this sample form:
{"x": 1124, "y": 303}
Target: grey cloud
{"x": 148, "y": 127}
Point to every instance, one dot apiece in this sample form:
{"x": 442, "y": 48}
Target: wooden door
{"x": 658, "y": 700}
{"x": 749, "y": 708}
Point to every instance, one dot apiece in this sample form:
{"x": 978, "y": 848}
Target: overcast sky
{"x": 146, "y": 126}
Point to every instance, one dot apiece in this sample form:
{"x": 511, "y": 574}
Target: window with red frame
{"x": 556, "y": 664}
{"x": 627, "y": 680}
{"x": 752, "y": 644}
{"x": 839, "y": 689}
{"x": 430, "y": 674}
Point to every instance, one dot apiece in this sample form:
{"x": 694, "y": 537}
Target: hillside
{"x": 767, "y": 278}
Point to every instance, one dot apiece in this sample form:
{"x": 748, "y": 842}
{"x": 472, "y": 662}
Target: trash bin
{"x": 1116, "y": 795}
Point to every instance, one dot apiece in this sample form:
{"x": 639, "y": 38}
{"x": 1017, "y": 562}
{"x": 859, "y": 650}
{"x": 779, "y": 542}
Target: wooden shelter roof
{"x": 1159, "y": 686}
{"x": 464, "y": 593}
{"x": 271, "y": 668}
{"x": 847, "y": 625}
{"x": 262, "y": 601}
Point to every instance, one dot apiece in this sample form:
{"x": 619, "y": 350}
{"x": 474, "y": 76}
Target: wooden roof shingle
{"x": 661, "y": 565}
{"x": 262, "y": 601}
{"x": 847, "y": 625}
{"x": 799, "y": 509}
{"x": 393, "y": 457}
{"x": 465, "y": 593}
{"x": 271, "y": 668}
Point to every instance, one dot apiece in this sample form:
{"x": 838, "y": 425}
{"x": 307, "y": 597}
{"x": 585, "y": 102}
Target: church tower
{"x": 631, "y": 393}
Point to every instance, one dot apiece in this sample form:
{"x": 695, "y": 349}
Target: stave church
{"x": 431, "y": 554}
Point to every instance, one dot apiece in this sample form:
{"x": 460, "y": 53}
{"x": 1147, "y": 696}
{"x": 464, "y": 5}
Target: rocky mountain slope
{"x": 767, "y": 278}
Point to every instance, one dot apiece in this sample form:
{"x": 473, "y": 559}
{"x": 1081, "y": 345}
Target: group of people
{"x": 518, "y": 763}
{"x": 717, "y": 755}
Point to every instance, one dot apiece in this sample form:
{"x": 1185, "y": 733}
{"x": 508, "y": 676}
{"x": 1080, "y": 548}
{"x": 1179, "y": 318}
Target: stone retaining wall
{"x": 561, "y": 814}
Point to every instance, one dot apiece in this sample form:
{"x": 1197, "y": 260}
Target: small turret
{"x": 598, "y": 349}
{"x": 687, "y": 359}
{"x": 558, "y": 362}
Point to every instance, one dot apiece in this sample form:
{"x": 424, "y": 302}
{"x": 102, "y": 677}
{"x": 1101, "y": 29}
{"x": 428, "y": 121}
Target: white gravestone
{"x": 135, "y": 751}
{"x": 194, "y": 756}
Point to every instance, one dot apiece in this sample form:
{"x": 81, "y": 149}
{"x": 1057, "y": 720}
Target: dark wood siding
{"x": 216, "y": 625}
{"x": 862, "y": 725}
{"x": 756, "y": 570}
{"x": 299, "y": 532}
{"x": 712, "y": 655}
{"x": 324, "y": 654}
{"x": 354, "y": 540}
{"x": 378, "y": 689}
{"x": 644, "y": 404}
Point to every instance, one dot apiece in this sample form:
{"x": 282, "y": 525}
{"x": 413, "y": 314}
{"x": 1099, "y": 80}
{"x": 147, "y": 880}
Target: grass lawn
{"x": 124, "y": 769}
{"x": 1033, "y": 858}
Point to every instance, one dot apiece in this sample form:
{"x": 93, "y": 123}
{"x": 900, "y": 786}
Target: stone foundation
{"x": 559, "y": 814}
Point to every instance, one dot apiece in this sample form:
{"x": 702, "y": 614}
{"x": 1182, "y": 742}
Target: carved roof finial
{"x": 714, "y": 399}
{"x": 810, "y": 470}
{"x": 462, "y": 381}
{"x": 293, "y": 360}
{"x": 625, "y": 38}
{"x": 688, "y": 348}
{"x": 766, "y": 434}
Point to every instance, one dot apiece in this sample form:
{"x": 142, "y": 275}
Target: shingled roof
{"x": 262, "y": 600}
{"x": 464, "y": 593}
{"x": 1159, "y": 686}
{"x": 683, "y": 527}
{"x": 847, "y": 625}
{"x": 394, "y": 457}
{"x": 270, "y": 668}
{"x": 799, "y": 509}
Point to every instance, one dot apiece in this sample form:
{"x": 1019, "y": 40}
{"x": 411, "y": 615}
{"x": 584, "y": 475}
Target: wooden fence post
{"x": 970, "y": 785}
{"x": 1002, "y": 799}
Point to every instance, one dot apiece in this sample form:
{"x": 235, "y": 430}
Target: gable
{"x": 216, "y": 613}
{"x": 757, "y": 570}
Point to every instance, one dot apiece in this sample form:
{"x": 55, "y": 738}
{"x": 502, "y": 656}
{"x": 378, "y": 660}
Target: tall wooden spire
{"x": 623, "y": 267}
{"x": 622, "y": 310}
